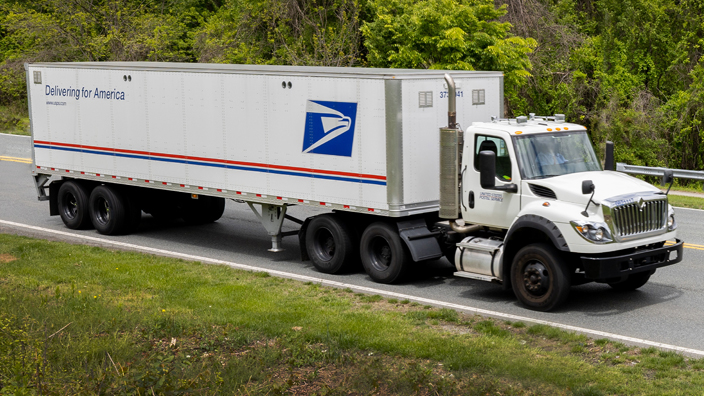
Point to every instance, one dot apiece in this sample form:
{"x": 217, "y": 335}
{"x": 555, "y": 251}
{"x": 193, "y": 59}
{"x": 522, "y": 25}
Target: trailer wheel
{"x": 384, "y": 255}
{"x": 72, "y": 201}
{"x": 203, "y": 210}
{"x": 633, "y": 282}
{"x": 330, "y": 244}
{"x": 539, "y": 277}
{"x": 108, "y": 211}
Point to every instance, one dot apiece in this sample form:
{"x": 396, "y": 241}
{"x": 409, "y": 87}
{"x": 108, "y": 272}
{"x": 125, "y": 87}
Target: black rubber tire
{"x": 633, "y": 282}
{"x": 539, "y": 277}
{"x": 72, "y": 201}
{"x": 108, "y": 210}
{"x": 203, "y": 210}
{"x": 330, "y": 244}
{"x": 384, "y": 255}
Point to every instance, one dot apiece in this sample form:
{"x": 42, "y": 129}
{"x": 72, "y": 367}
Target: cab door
{"x": 490, "y": 208}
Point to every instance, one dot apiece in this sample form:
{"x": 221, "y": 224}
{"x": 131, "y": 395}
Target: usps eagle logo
{"x": 329, "y": 128}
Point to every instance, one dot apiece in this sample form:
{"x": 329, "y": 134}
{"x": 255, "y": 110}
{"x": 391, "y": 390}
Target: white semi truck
{"x": 522, "y": 202}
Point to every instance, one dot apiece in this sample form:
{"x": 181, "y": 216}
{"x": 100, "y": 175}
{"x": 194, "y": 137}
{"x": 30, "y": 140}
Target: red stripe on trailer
{"x": 346, "y": 206}
{"x": 216, "y": 160}
{"x": 114, "y": 177}
{"x": 83, "y": 173}
{"x": 182, "y": 185}
{"x": 219, "y": 190}
{"x": 300, "y": 200}
{"x": 97, "y": 174}
{"x": 200, "y": 188}
{"x": 146, "y": 181}
{"x": 370, "y": 210}
{"x": 129, "y": 178}
{"x": 164, "y": 183}
{"x": 322, "y": 203}
{"x": 279, "y": 198}
{"x": 259, "y": 195}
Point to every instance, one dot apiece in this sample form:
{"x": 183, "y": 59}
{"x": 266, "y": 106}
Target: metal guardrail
{"x": 659, "y": 172}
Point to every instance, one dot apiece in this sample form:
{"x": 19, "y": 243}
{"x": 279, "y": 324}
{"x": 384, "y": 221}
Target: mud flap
{"x": 422, "y": 242}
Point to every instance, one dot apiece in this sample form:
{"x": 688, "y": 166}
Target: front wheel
{"x": 633, "y": 282}
{"x": 539, "y": 277}
{"x": 384, "y": 255}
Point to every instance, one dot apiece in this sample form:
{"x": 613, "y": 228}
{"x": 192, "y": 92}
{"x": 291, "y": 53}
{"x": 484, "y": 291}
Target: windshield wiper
{"x": 545, "y": 176}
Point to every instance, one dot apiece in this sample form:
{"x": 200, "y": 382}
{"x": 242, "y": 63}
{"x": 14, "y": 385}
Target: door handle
{"x": 471, "y": 199}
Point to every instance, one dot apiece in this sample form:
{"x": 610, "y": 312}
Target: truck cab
{"x": 539, "y": 214}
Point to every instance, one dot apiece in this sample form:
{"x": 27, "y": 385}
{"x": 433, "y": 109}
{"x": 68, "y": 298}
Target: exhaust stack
{"x": 451, "y": 102}
{"x": 450, "y": 158}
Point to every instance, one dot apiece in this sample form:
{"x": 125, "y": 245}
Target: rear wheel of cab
{"x": 384, "y": 254}
{"x": 330, "y": 244}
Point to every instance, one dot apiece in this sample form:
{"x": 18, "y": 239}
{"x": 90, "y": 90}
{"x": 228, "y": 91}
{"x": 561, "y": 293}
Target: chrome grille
{"x": 639, "y": 217}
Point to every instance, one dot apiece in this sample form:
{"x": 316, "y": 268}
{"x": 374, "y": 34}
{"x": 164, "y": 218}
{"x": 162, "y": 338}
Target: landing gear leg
{"x": 272, "y": 217}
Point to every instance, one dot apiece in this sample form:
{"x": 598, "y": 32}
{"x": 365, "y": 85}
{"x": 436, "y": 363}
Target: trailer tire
{"x": 72, "y": 201}
{"x": 203, "y": 210}
{"x": 108, "y": 210}
{"x": 330, "y": 244}
{"x": 539, "y": 277}
{"x": 384, "y": 255}
{"x": 633, "y": 282}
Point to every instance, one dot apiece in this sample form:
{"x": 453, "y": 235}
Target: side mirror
{"x": 487, "y": 169}
{"x": 587, "y": 187}
{"x": 667, "y": 177}
{"x": 609, "y": 157}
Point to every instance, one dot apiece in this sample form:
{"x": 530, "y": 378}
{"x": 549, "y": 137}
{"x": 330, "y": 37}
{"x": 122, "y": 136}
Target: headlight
{"x": 671, "y": 223}
{"x": 595, "y": 232}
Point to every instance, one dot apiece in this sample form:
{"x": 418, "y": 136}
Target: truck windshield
{"x": 547, "y": 155}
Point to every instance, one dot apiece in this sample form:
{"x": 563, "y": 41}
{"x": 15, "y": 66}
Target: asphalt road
{"x": 669, "y": 309}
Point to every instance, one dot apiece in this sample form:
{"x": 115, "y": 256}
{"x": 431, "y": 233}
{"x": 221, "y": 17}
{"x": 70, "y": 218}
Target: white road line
{"x": 304, "y": 278}
{"x": 12, "y": 134}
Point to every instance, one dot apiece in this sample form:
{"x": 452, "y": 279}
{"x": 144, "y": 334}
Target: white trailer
{"x": 176, "y": 140}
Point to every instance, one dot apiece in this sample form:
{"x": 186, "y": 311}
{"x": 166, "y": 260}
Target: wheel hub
{"x": 381, "y": 254}
{"x": 536, "y": 278}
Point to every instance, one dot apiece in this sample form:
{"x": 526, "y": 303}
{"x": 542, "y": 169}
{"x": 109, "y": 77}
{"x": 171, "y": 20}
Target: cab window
{"x": 498, "y": 146}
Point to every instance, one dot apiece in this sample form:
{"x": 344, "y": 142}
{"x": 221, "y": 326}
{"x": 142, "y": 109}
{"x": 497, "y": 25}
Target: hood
{"x": 607, "y": 184}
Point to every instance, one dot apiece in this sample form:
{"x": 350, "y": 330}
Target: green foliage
{"x": 317, "y": 32}
{"x": 446, "y": 34}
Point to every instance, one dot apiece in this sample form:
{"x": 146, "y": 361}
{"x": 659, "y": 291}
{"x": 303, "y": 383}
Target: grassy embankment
{"x": 84, "y": 320}
{"x": 14, "y": 120}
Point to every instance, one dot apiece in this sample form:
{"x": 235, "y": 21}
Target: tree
{"x": 447, "y": 34}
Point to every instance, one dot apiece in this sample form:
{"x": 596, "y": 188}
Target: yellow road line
{"x": 687, "y": 245}
{"x": 16, "y": 159}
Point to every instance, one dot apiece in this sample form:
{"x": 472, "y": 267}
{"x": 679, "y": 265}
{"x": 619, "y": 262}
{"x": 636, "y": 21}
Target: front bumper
{"x": 601, "y": 268}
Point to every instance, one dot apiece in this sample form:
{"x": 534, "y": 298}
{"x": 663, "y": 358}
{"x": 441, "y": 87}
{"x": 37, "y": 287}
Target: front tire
{"x": 539, "y": 277}
{"x": 633, "y": 282}
{"x": 108, "y": 211}
{"x": 72, "y": 201}
{"x": 384, "y": 254}
{"x": 330, "y": 245}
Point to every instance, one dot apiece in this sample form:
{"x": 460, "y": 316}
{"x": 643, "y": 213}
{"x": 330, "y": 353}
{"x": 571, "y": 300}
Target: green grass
{"x": 14, "y": 120}
{"x": 686, "y": 202}
{"x": 84, "y": 320}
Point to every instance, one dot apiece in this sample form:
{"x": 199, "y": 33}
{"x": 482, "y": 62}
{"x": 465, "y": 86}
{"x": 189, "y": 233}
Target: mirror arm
{"x": 511, "y": 188}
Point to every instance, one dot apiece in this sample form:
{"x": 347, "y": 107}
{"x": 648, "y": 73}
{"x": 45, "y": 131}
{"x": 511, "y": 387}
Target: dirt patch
{"x": 6, "y": 258}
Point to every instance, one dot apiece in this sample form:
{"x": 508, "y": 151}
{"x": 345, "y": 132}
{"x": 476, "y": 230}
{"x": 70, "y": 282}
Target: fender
{"x": 534, "y": 222}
